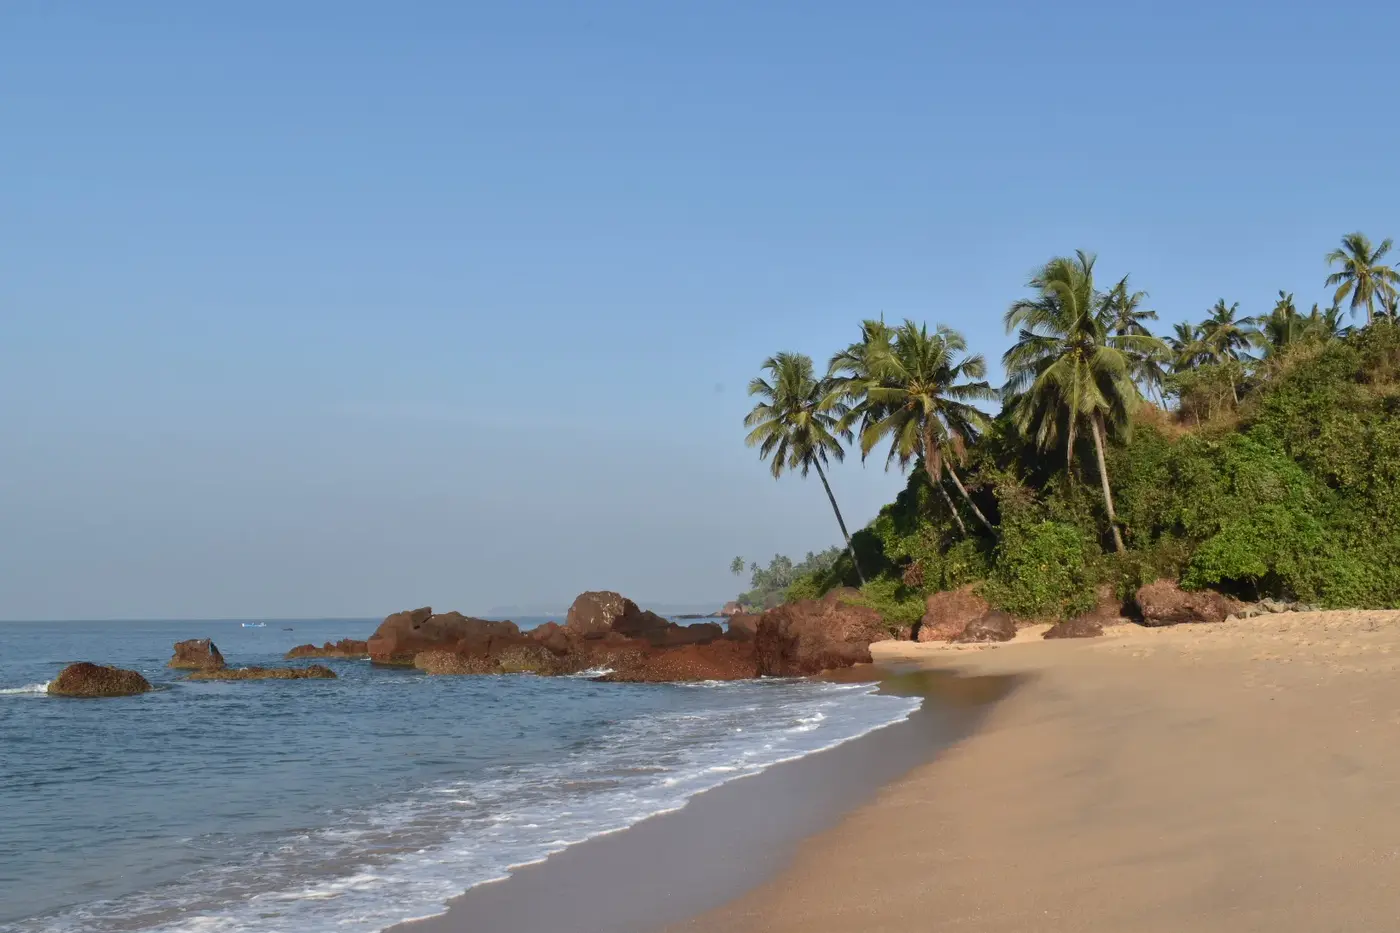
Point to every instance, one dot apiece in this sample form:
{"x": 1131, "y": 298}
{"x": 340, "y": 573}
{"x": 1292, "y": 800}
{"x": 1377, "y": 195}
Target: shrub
{"x": 1041, "y": 571}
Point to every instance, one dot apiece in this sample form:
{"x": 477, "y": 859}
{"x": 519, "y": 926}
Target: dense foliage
{"x": 1272, "y": 466}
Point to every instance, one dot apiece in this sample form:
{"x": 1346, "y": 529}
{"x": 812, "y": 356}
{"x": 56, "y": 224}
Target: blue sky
{"x": 337, "y": 308}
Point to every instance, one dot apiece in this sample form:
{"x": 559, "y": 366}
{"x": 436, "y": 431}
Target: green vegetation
{"x": 1269, "y": 464}
{"x": 772, "y": 585}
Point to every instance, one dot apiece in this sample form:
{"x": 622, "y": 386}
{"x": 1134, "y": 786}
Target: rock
{"x": 1165, "y": 603}
{"x": 404, "y": 635}
{"x": 86, "y": 679}
{"x": 345, "y": 648}
{"x": 313, "y": 672}
{"x": 552, "y": 636}
{"x": 731, "y": 609}
{"x": 1270, "y": 604}
{"x": 593, "y": 613}
{"x": 197, "y": 654}
{"x": 991, "y": 626}
{"x": 813, "y": 635}
{"x": 439, "y": 661}
{"x": 1084, "y": 626}
{"x": 947, "y": 614}
{"x": 719, "y": 660}
{"x": 1306, "y": 607}
{"x": 742, "y": 627}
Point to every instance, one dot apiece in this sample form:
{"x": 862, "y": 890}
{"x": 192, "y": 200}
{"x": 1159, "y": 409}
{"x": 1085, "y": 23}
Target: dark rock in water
{"x": 197, "y": 654}
{"x": 1165, "y": 603}
{"x": 992, "y": 626}
{"x": 1082, "y": 627}
{"x": 813, "y": 635}
{"x": 86, "y": 679}
{"x": 314, "y": 672}
{"x": 345, "y": 648}
{"x": 594, "y": 612}
{"x": 947, "y": 614}
{"x": 404, "y": 635}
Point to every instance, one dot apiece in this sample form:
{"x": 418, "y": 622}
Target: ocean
{"x": 346, "y": 805}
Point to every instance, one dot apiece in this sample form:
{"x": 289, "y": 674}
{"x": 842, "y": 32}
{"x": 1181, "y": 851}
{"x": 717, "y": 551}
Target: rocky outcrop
{"x": 813, "y": 635}
{"x": 1166, "y": 603}
{"x": 991, "y": 626}
{"x": 86, "y": 679}
{"x": 742, "y": 627}
{"x": 403, "y": 635}
{"x": 519, "y": 657}
{"x": 947, "y": 614}
{"x": 1084, "y": 626}
{"x": 197, "y": 654}
{"x": 594, "y": 612}
{"x": 345, "y": 648}
{"x": 718, "y": 660}
{"x": 731, "y": 609}
{"x": 314, "y": 672}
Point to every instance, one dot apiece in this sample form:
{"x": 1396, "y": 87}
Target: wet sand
{"x": 726, "y": 840}
{"x": 1234, "y": 777}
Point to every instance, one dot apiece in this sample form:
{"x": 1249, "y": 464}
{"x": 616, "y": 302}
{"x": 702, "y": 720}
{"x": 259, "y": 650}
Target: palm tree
{"x": 1280, "y": 328}
{"x": 1186, "y": 349}
{"x": 799, "y": 423}
{"x": 1325, "y": 325}
{"x": 917, "y": 392}
{"x": 1068, "y": 370}
{"x": 1128, "y": 315}
{"x": 1361, "y": 275}
{"x": 1223, "y": 337}
{"x": 736, "y": 566}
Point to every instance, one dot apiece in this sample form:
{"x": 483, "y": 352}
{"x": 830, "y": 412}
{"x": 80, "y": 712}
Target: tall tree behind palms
{"x": 918, "y": 391}
{"x": 799, "y": 425}
{"x": 1362, "y": 276}
{"x": 1128, "y": 317}
{"x": 1068, "y": 370}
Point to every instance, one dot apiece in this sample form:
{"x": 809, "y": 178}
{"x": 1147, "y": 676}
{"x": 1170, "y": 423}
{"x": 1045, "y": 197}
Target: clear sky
{"x": 334, "y": 308}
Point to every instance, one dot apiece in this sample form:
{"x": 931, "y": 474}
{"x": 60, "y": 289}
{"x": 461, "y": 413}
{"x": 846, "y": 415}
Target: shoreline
{"x": 676, "y": 865}
{"x": 1232, "y": 777}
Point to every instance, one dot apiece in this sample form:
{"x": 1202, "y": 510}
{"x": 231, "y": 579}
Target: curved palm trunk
{"x": 949, "y": 501}
{"x": 1103, "y": 479}
{"x": 842, "y": 522}
{"x": 953, "y": 474}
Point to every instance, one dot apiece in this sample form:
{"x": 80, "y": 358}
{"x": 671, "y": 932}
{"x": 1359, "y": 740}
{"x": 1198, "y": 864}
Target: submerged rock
{"x": 345, "y": 648}
{"x": 947, "y": 614}
{"x": 86, "y": 679}
{"x": 313, "y": 672}
{"x": 813, "y": 635}
{"x": 1166, "y": 603}
{"x": 991, "y": 626}
{"x": 197, "y": 654}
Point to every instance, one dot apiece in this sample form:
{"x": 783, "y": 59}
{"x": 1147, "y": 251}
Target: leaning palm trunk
{"x": 1103, "y": 479}
{"x": 842, "y": 522}
{"x": 953, "y": 474}
{"x": 948, "y": 500}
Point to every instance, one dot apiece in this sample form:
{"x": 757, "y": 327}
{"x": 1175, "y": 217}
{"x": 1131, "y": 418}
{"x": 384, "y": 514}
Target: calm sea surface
{"x": 346, "y": 805}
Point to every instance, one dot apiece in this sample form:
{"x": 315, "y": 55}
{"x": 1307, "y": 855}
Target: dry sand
{"x": 1234, "y": 777}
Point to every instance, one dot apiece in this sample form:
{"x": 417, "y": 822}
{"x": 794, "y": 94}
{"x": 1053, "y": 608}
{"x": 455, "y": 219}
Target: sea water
{"x": 346, "y": 805}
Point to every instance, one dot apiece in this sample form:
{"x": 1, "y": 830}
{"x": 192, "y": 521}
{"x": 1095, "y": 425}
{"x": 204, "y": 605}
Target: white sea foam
{"x": 27, "y": 690}
{"x": 405, "y": 857}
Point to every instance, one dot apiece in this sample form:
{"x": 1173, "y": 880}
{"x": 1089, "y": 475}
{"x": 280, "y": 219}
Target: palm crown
{"x": 1362, "y": 275}
{"x": 798, "y": 423}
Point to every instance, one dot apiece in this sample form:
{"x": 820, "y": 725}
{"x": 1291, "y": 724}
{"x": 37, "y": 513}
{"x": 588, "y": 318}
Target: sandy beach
{"x": 1231, "y": 777}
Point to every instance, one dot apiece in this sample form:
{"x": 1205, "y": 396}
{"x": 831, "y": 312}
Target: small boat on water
{"x": 255, "y": 625}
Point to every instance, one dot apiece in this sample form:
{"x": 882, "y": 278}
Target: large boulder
{"x": 345, "y": 648}
{"x": 947, "y": 614}
{"x": 813, "y": 635}
{"x": 1165, "y": 603}
{"x": 718, "y": 660}
{"x": 86, "y": 679}
{"x": 403, "y": 635}
{"x": 991, "y": 626}
{"x": 197, "y": 654}
{"x": 742, "y": 627}
{"x": 594, "y": 613}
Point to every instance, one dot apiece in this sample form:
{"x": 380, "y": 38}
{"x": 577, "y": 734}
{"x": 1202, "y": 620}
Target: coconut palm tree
{"x": 1186, "y": 349}
{"x": 798, "y": 424}
{"x": 1068, "y": 370}
{"x": 1223, "y": 337}
{"x": 918, "y": 391}
{"x": 1280, "y": 328}
{"x": 1325, "y": 325}
{"x": 1362, "y": 276}
{"x": 1128, "y": 314}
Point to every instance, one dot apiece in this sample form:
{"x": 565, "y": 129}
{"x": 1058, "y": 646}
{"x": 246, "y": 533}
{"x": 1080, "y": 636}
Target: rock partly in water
{"x": 313, "y": 672}
{"x": 717, "y": 660}
{"x": 86, "y": 679}
{"x": 947, "y": 614}
{"x": 1166, "y": 603}
{"x": 813, "y": 635}
{"x": 594, "y": 612}
{"x": 345, "y": 648}
{"x": 404, "y": 635}
{"x": 991, "y": 626}
{"x": 1082, "y": 627}
{"x": 197, "y": 654}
